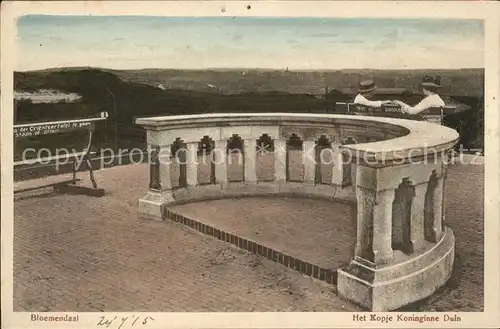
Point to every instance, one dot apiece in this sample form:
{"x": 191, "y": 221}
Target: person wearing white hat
{"x": 366, "y": 91}
{"x": 430, "y": 86}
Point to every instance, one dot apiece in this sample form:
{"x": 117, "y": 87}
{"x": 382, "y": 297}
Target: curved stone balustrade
{"x": 393, "y": 169}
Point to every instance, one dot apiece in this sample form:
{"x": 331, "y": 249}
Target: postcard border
{"x": 487, "y": 11}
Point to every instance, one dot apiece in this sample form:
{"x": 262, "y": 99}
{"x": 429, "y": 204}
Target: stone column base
{"x": 390, "y": 287}
{"x": 151, "y": 206}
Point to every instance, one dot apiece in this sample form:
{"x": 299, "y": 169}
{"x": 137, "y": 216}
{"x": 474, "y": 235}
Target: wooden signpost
{"x": 34, "y": 130}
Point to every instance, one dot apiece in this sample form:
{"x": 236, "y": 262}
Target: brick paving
{"x": 77, "y": 253}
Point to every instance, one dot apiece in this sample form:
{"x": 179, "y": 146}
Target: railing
{"x": 393, "y": 169}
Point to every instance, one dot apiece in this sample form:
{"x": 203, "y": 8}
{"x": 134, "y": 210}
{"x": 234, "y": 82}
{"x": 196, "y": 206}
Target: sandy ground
{"x": 78, "y": 253}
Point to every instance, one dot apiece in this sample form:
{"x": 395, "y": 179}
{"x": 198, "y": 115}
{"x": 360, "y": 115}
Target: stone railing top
{"x": 417, "y": 138}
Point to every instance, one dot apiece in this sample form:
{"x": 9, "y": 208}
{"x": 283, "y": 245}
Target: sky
{"x": 136, "y": 42}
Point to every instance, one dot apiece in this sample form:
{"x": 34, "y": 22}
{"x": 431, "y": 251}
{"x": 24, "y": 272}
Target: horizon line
{"x": 248, "y": 69}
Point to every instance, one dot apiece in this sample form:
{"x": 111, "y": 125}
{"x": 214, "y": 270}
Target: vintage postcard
{"x": 250, "y": 164}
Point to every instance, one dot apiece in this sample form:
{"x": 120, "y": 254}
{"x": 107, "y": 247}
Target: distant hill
{"x": 104, "y": 90}
{"x": 463, "y": 82}
{"x": 129, "y": 94}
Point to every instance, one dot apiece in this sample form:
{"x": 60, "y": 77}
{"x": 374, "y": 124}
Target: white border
{"x": 489, "y": 11}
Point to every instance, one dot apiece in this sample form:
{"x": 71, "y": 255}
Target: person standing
{"x": 430, "y": 86}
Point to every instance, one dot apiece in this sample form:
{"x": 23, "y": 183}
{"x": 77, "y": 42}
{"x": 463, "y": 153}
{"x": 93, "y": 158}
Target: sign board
{"x": 55, "y": 127}
{"x": 352, "y": 108}
{"x": 50, "y": 128}
{"x": 390, "y": 111}
{"x": 356, "y": 108}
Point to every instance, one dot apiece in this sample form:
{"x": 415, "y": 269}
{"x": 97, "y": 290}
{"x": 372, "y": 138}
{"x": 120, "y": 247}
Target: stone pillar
{"x": 417, "y": 233}
{"x": 337, "y": 160}
{"x": 250, "y": 154}
{"x": 347, "y": 161}
{"x": 159, "y": 168}
{"x": 181, "y": 157}
{"x": 382, "y": 227}
{"x": 349, "y": 169}
{"x": 353, "y": 172}
{"x": 287, "y": 163}
{"x": 308, "y": 155}
{"x": 318, "y": 175}
{"x": 374, "y": 221}
{"x": 220, "y": 161}
{"x": 437, "y": 210}
{"x": 280, "y": 161}
{"x": 364, "y": 236}
{"x": 443, "y": 200}
{"x": 212, "y": 166}
{"x": 192, "y": 164}
{"x": 160, "y": 193}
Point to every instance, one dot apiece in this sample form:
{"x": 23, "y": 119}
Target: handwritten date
{"x": 120, "y": 322}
